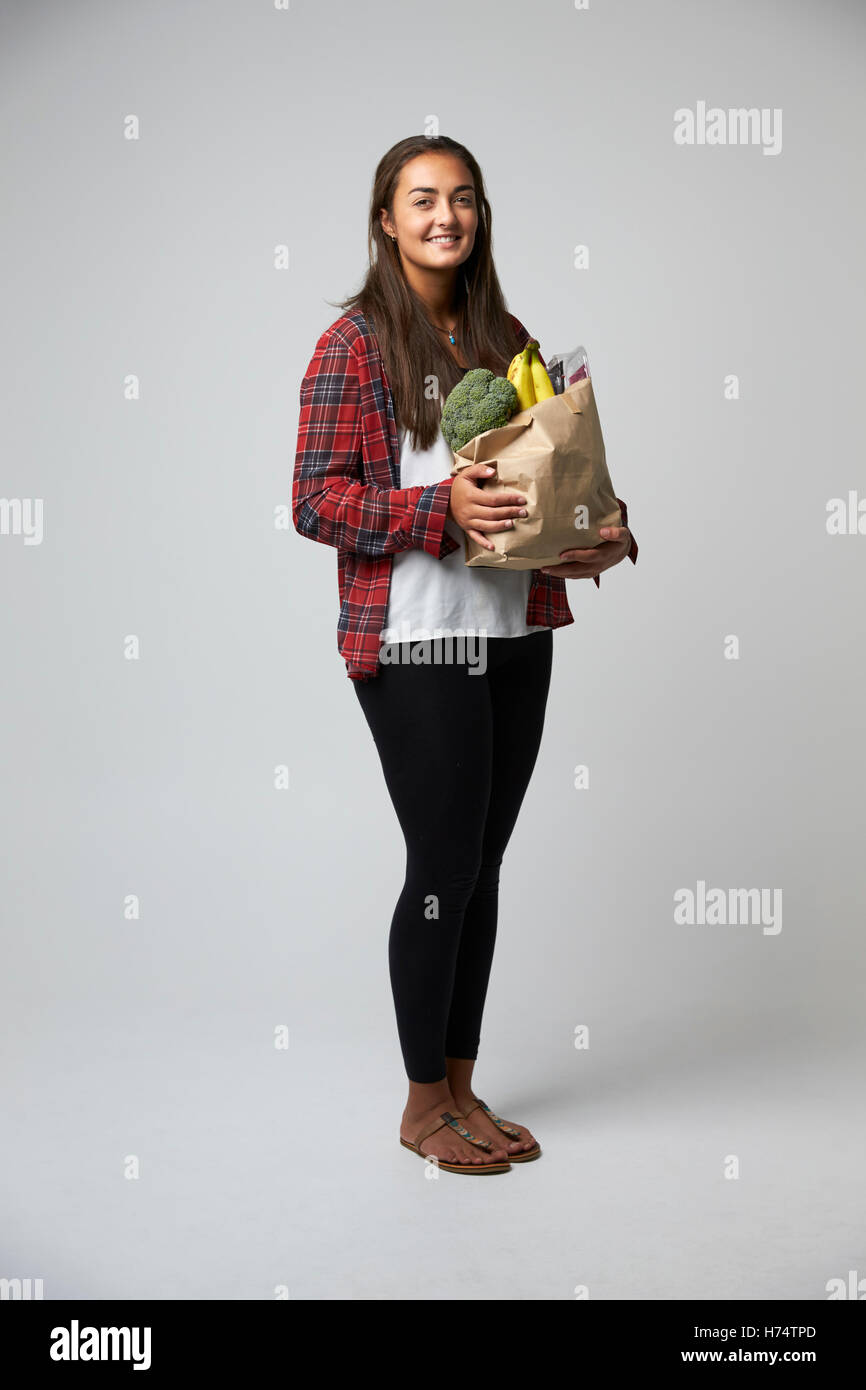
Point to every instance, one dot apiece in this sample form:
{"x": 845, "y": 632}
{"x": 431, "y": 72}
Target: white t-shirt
{"x": 427, "y": 594}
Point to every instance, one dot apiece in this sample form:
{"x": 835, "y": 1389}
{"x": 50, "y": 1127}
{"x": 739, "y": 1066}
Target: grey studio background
{"x": 709, "y": 1141}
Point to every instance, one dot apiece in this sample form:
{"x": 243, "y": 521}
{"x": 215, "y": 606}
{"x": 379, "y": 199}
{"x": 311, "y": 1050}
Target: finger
{"x": 578, "y": 570}
{"x": 483, "y": 523}
{"x": 589, "y": 552}
{"x": 499, "y": 499}
{"x": 579, "y": 556}
{"x": 498, "y": 514}
{"x": 495, "y": 511}
{"x": 477, "y": 536}
{"x": 569, "y": 571}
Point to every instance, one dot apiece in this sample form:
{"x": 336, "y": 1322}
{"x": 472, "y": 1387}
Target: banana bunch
{"x": 528, "y": 377}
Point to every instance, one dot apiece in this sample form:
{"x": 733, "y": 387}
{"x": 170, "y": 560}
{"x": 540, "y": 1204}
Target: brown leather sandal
{"x": 507, "y": 1129}
{"x": 448, "y": 1119}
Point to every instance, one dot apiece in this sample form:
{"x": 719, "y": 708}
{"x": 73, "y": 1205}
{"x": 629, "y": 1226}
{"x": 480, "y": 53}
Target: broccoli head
{"x": 481, "y": 401}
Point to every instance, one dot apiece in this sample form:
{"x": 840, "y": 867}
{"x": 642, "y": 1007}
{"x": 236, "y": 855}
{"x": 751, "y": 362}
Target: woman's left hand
{"x": 589, "y": 561}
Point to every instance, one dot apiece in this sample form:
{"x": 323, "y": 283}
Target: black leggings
{"x": 456, "y": 771}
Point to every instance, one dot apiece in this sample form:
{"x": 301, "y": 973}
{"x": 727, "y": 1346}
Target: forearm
{"x": 373, "y": 521}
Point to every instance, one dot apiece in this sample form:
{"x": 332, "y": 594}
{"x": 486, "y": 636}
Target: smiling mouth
{"x": 443, "y": 240}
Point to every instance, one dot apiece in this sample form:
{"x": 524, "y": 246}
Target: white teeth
{"x": 442, "y": 239}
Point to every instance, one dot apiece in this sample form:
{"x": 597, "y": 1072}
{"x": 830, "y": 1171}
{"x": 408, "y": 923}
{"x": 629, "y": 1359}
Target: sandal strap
{"x": 428, "y": 1130}
{"x": 464, "y": 1132}
{"x": 500, "y": 1124}
{"x": 446, "y": 1118}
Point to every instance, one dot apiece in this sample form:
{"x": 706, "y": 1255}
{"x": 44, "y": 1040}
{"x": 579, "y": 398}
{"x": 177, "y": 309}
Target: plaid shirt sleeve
{"x": 330, "y": 502}
{"x": 523, "y": 339}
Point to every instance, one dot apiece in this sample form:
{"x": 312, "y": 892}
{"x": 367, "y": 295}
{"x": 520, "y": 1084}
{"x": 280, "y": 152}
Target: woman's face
{"x": 435, "y": 213}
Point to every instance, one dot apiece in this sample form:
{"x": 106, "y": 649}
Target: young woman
{"x": 372, "y": 478}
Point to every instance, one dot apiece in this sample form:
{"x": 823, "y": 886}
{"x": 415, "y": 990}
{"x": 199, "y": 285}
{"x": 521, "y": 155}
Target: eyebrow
{"x": 459, "y": 189}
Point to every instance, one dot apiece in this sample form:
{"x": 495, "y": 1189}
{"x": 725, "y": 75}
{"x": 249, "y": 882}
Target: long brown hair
{"x": 410, "y": 345}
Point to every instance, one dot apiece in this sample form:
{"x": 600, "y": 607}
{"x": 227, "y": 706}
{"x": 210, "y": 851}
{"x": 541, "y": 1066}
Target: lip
{"x": 436, "y": 242}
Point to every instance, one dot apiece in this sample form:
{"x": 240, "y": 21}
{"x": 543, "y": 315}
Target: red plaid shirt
{"x": 345, "y": 491}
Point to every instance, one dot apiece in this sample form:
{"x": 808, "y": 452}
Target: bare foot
{"x": 475, "y": 1119}
{"x": 445, "y": 1143}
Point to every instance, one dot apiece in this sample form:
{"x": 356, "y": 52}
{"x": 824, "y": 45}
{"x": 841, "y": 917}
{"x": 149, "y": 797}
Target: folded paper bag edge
{"x": 479, "y": 449}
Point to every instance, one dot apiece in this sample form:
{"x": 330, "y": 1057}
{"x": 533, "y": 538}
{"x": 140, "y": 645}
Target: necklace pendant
{"x": 451, "y": 338}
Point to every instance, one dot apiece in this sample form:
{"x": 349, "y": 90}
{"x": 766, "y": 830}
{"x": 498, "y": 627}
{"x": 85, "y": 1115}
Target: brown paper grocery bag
{"x": 554, "y": 455}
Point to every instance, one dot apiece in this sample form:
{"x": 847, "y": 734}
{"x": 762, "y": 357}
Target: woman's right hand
{"x": 476, "y": 510}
